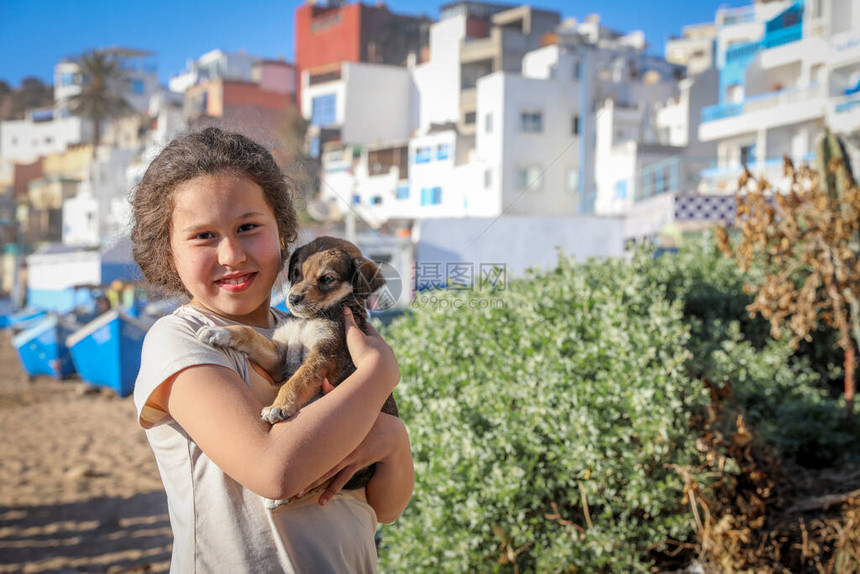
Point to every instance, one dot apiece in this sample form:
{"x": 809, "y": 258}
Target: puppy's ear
{"x": 367, "y": 278}
{"x": 295, "y": 264}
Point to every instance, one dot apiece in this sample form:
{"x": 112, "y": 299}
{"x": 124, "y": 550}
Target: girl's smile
{"x": 226, "y": 246}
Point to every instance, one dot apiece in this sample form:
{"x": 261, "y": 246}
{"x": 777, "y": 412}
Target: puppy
{"x": 325, "y": 276}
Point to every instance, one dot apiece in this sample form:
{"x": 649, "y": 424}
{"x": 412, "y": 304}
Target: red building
{"x": 329, "y": 34}
{"x": 254, "y": 107}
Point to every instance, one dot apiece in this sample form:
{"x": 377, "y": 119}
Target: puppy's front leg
{"x": 299, "y": 389}
{"x": 255, "y": 346}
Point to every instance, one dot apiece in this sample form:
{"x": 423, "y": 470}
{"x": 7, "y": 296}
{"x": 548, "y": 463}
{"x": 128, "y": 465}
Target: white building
{"x": 519, "y": 121}
{"x": 363, "y": 103}
{"x": 786, "y": 69}
{"x": 47, "y": 131}
{"x": 100, "y": 212}
{"x": 361, "y": 116}
{"x": 694, "y": 49}
{"x": 40, "y": 134}
{"x": 214, "y": 65}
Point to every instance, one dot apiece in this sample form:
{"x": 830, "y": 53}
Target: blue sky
{"x": 35, "y": 34}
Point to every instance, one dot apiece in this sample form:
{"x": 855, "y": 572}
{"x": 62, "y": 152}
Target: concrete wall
{"x": 378, "y": 104}
{"x": 517, "y": 243}
{"x": 437, "y": 82}
{"x": 61, "y": 270}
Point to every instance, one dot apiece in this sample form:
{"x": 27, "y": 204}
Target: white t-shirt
{"x": 218, "y": 524}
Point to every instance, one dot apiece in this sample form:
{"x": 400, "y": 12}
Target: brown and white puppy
{"x": 325, "y": 276}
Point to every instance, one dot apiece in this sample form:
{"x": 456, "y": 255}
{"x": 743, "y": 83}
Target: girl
{"x": 213, "y": 219}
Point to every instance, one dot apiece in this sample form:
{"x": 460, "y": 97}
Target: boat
{"x": 22, "y": 319}
{"x": 42, "y": 346}
{"x": 106, "y": 351}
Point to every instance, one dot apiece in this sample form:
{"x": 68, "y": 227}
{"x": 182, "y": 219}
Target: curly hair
{"x": 207, "y": 152}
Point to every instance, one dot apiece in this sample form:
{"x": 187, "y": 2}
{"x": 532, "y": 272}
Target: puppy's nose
{"x": 296, "y": 298}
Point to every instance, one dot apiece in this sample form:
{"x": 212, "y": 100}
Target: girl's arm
{"x": 389, "y": 490}
{"x": 216, "y": 408}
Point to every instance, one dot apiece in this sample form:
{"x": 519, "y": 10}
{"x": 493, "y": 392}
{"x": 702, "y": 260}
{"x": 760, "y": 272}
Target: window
{"x": 488, "y": 178}
{"x": 324, "y": 110}
{"x": 356, "y": 199}
{"x": 431, "y": 195}
{"x": 574, "y": 126}
{"x": 529, "y": 178}
{"x": 68, "y": 79}
{"x": 335, "y": 156}
{"x": 403, "y": 192}
{"x": 376, "y": 200}
{"x": 442, "y": 151}
{"x": 423, "y": 154}
{"x": 315, "y": 147}
{"x": 470, "y": 118}
{"x": 135, "y": 86}
{"x": 381, "y": 161}
{"x": 748, "y": 154}
{"x": 531, "y": 121}
{"x": 621, "y": 189}
{"x": 470, "y": 73}
{"x": 575, "y": 70}
{"x": 488, "y": 123}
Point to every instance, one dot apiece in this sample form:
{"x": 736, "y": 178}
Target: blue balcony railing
{"x": 762, "y": 101}
{"x": 744, "y": 50}
{"x": 722, "y": 111}
{"x": 847, "y": 104}
{"x": 782, "y": 36}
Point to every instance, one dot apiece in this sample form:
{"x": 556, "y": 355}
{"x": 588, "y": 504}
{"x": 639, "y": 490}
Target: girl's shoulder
{"x": 189, "y": 315}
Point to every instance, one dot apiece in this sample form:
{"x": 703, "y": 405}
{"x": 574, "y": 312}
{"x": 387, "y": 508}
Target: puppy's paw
{"x": 274, "y": 414}
{"x": 215, "y": 336}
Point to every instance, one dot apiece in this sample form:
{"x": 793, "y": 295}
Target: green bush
{"x": 785, "y": 394}
{"x": 545, "y": 418}
{"x": 525, "y": 405}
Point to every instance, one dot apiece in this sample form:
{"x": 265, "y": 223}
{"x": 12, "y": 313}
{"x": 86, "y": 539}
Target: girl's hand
{"x": 385, "y": 440}
{"x": 370, "y": 351}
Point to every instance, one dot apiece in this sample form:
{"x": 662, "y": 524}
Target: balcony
{"x": 847, "y": 103}
{"x": 677, "y": 174}
{"x": 782, "y": 36}
{"x": 724, "y": 179}
{"x": 745, "y": 50}
{"x": 732, "y": 16}
{"x": 782, "y": 98}
{"x": 772, "y": 39}
{"x": 763, "y": 111}
{"x": 721, "y": 111}
{"x": 844, "y": 113}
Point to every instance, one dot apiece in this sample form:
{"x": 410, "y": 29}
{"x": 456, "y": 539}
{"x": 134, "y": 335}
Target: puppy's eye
{"x": 326, "y": 280}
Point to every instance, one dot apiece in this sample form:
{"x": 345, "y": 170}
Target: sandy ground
{"x": 79, "y": 488}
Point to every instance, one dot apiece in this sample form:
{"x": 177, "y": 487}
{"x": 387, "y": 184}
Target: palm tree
{"x": 100, "y": 97}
